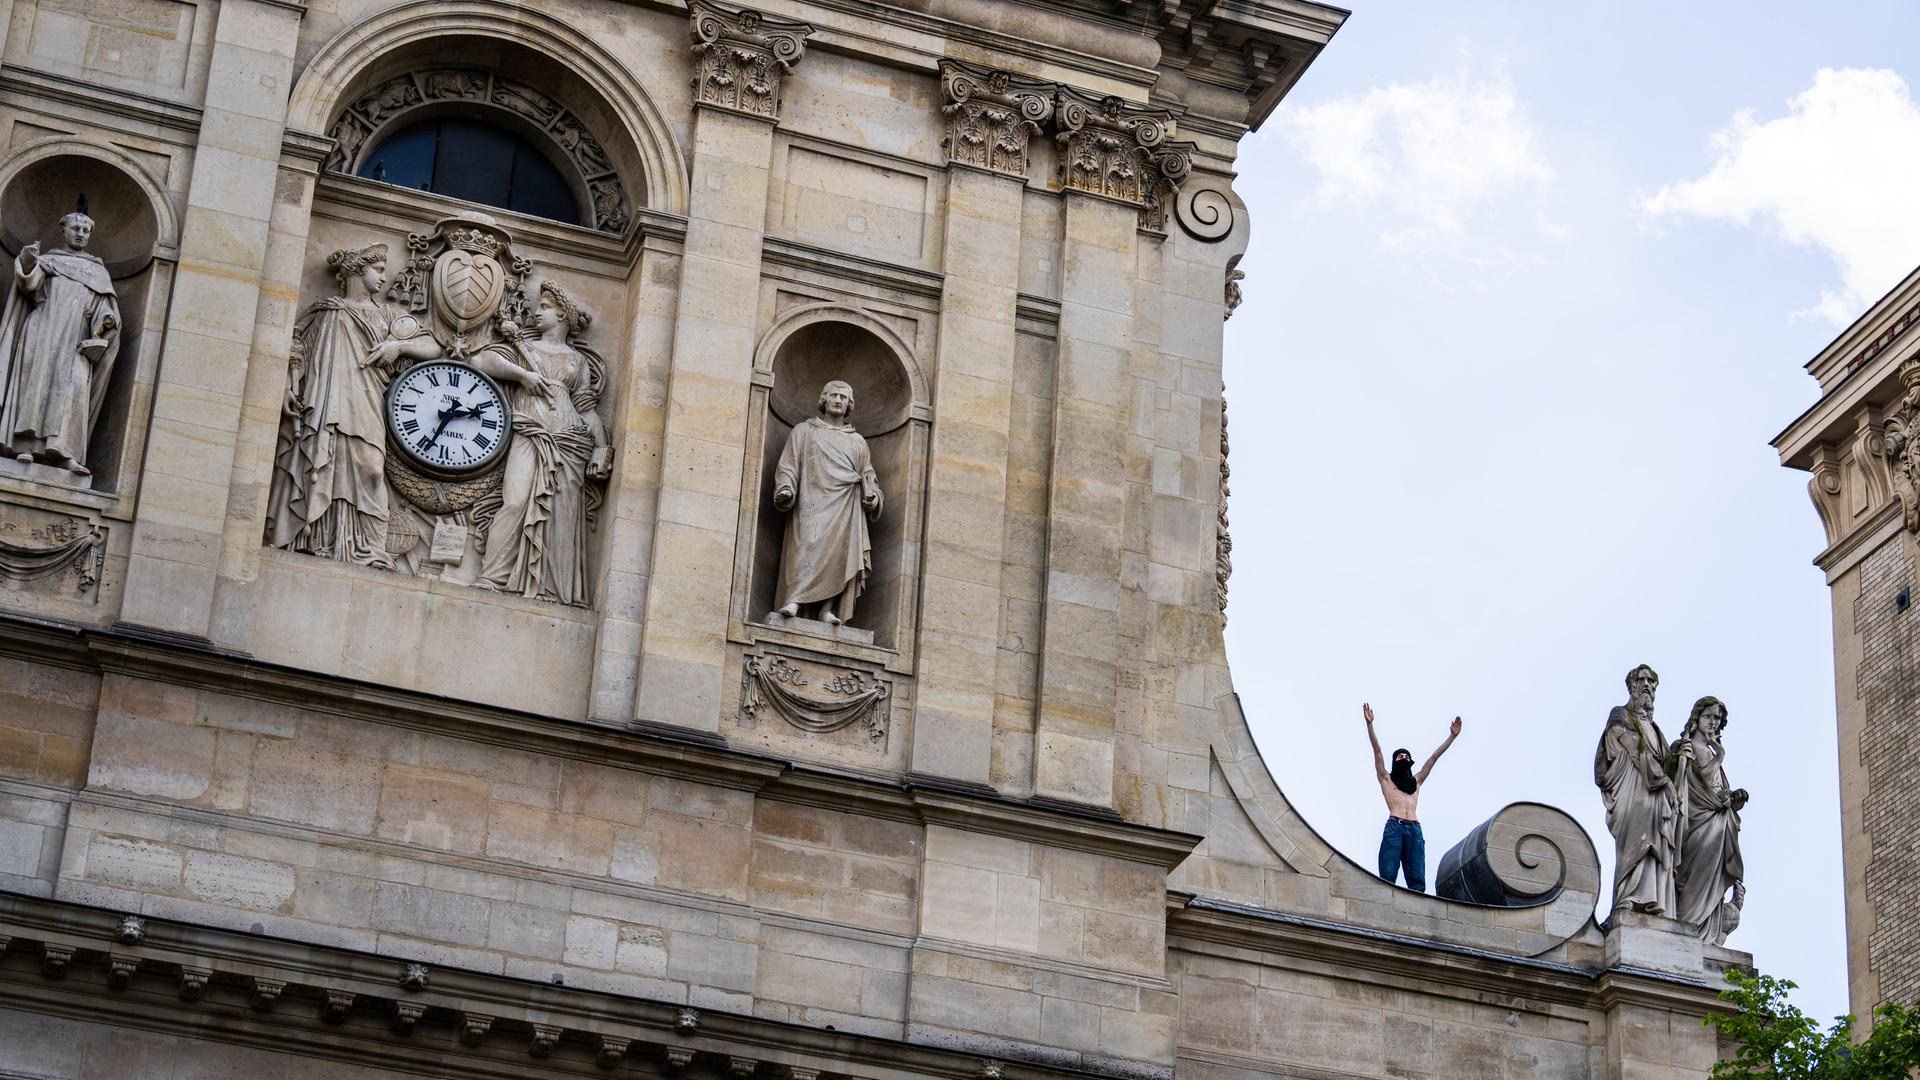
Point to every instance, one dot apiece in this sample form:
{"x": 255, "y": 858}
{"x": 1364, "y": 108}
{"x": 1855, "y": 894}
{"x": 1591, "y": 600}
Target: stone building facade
{"x": 332, "y": 746}
{"x": 1861, "y": 443}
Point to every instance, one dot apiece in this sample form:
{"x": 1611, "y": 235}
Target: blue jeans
{"x": 1402, "y": 845}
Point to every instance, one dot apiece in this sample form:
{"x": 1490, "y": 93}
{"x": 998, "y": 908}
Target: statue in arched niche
{"x": 825, "y": 478}
{"x": 59, "y": 336}
{"x": 330, "y": 492}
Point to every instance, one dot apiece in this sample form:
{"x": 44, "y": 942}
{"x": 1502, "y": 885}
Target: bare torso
{"x": 1400, "y": 804}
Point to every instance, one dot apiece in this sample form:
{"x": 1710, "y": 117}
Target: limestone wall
{"x": 590, "y": 809}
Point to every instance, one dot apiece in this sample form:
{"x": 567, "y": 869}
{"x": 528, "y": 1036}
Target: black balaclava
{"x": 1402, "y": 773}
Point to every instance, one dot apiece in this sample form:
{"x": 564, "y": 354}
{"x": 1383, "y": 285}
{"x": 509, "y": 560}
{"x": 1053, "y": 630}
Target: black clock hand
{"x": 446, "y": 415}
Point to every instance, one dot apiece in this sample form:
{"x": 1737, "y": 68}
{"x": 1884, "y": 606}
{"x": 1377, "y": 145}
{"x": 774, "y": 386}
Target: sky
{"x": 1531, "y": 287}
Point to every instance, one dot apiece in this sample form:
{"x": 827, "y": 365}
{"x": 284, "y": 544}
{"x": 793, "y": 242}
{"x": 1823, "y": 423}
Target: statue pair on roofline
{"x": 1674, "y": 817}
{"x": 457, "y": 439}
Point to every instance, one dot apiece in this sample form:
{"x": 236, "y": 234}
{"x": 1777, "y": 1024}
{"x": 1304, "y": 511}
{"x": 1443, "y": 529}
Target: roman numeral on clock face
{"x": 411, "y": 427}
{"x": 483, "y": 442}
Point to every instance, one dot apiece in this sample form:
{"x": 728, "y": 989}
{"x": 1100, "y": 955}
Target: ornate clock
{"x": 449, "y": 420}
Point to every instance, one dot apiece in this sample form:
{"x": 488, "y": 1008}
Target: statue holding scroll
{"x": 825, "y": 478}
{"x": 59, "y": 335}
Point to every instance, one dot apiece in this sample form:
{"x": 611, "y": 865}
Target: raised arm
{"x": 1453, "y": 732}
{"x": 1379, "y": 763}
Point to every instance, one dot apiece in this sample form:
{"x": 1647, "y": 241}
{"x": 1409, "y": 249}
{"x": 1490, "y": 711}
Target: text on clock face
{"x": 448, "y": 416}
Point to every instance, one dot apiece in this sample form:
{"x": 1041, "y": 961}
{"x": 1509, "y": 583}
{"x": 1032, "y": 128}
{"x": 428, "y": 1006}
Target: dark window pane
{"x": 466, "y": 159}
{"x": 475, "y": 163}
{"x": 405, "y": 159}
{"x": 539, "y": 189}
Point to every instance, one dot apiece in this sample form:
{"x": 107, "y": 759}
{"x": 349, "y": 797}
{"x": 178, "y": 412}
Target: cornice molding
{"x": 34, "y": 84}
{"x": 1399, "y": 958}
{"x": 172, "y": 977}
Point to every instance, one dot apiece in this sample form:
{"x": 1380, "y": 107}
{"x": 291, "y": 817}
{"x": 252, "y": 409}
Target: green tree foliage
{"x": 1779, "y": 1042}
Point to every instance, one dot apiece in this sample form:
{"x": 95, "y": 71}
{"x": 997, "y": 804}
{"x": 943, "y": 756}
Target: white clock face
{"x": 448, "y": 417}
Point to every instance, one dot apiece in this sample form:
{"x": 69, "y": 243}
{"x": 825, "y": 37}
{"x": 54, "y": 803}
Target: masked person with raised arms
{"x": 1401, "y": 844}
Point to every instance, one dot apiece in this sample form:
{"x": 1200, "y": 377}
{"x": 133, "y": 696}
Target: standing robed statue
{"x": 825, "y": 477}
{"x": 1633, "y": 766}
{"x": 1710, "y": 862}
{"x": 59, "y": 336}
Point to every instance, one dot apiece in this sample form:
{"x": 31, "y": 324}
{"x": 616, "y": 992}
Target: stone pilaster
{"x": 989, "y": 120}
{"x": 716, "y": 322}
{"x": 1080, "y": 652}
{"x": 214, "y": 321}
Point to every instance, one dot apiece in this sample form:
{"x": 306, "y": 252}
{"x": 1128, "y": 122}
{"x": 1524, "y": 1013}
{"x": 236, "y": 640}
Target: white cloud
{"x": 1427, "y": 157}
{"x": 1840, "y": 172}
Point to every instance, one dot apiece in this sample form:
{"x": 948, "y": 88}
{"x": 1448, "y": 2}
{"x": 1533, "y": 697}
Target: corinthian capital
{"x": 740, "y": 55}
{"x": 1120, "y": 151}
{"x": 1901, "y": 444}
{"x": 990, "y": 116}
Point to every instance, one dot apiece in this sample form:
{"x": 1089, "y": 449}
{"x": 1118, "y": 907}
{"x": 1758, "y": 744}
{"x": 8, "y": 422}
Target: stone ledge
{"x": 86, "y": 963}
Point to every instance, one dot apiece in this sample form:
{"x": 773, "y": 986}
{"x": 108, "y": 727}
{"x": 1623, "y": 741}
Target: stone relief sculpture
{"x": 1222, "y": 539}
{"x": 59, "y": 336}
{"x": 1118, "y": 151}
{"x": 1710, "y": 863}
{"x": 740, "y": 55}
{"x": 1901, "y": 445}
{"x": 329, "y": 495}
{"x": 536, "y": 543}
{"x": 1633, "y": 768}
{"x": 991, "y": 115}
{"x": 825, "y": 478}
{"x": 357, "y": 126}
{"x": 445, "y": 440}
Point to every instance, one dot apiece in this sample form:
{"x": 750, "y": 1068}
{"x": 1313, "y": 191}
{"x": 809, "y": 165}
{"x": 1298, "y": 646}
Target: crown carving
{"x": 740, "y": 55}
{"x": 1120, "y": 151}
{"x": 475, "y": 240}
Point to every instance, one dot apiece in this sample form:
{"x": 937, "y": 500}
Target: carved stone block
{"x": 1121, "y": 152}
{"x": 740, "y": 56}
{"x": 44, "y": 551}
{"x": 990, "y": 116}
{"x": 839, "y": 699}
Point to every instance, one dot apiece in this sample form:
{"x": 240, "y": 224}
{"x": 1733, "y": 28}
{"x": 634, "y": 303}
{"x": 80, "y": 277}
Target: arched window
{"x": 475, "y": 161}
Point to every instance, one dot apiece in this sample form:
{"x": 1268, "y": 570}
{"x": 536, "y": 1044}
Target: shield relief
{"x": 467, "y": 287}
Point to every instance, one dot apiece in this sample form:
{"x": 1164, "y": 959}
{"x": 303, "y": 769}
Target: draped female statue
{"x": 1633, "y": 768}
{"x": 1710, "y": 862}
{"x": 59, "y": 335}
{"x": 536, "y": 543}
{"x": 329, "y": 494}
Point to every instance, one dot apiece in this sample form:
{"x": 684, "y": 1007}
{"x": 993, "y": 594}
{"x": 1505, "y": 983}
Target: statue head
{"x": 367, "y": 265}
{"x": 836, "y": 401}
{"x": 1641, "y": 683}
{"x": 558, "y": 308}
{"x": 1707, "y": 720}
{"x": 77, "y": 227}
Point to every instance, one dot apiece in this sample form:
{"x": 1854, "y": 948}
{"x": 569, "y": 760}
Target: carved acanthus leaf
{"x": 740, "y": 56}
{"x": 991, "y": 115}
{"x": 1120, "y": 151}
{"x": 1901, "y": 444}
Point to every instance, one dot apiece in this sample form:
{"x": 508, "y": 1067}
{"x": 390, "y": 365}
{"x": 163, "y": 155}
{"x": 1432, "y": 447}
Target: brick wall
{"x": 1890, "y": 752}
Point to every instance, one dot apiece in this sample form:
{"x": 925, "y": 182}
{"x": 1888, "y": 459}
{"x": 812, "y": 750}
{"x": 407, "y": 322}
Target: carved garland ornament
{"x": 991, "y": 115}
{"x": 740, "y": 56}
{"x": 1222, "y": 540}
{"x": 851, "y": 697}
{"x": 71, "y": 543}
{"x": 355, "y": 128}
{"x": 1901, "y": 445}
